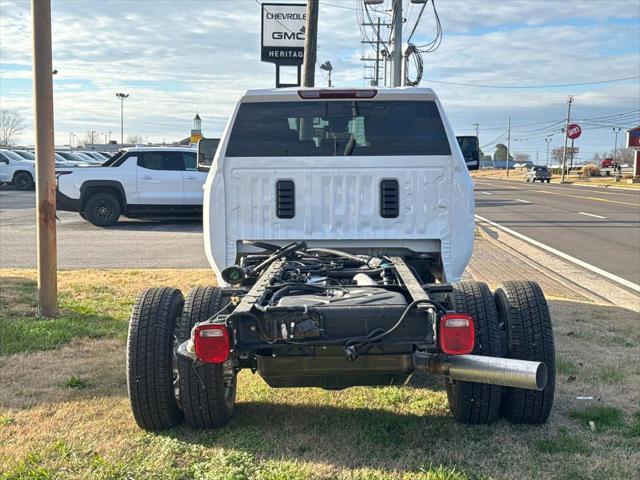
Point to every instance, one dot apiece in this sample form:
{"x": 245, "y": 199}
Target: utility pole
{"x": 616, "y": 130}
{"x": 93, "y": 133}
{"x": 376, "y": 72}
{"x": 380, "y": 53}
{"x": 45, "y": 162}
{"x": 566, "y": 128}
{"x": 71, "y": 140}
{"x": 476, "y": 127}
{"x": 508, "y": 144}
{"x": 109, "y": 137}
{"x": 547, "y": 141}
{"x": 122, "y": 96}
{"x": 310, "y": 44}
{"x": 396, "y": 42}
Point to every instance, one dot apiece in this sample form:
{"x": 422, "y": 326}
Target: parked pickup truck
{"x": 339, "y": 224}
{"x": 136, "y": 182}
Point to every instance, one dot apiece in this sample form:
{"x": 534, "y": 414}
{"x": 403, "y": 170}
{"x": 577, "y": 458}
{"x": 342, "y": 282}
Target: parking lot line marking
{"x": 591, "y": 215}
{"x": 558, "y": 253}
{"x": 487, "y": 193}
{"x": 522, "y": 201}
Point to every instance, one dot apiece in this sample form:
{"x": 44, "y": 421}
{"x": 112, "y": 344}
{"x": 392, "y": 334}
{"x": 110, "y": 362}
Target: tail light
{"x": 212, "y": 343}
{"x": 333, "y": 93}
{"x": 457, "y": 333}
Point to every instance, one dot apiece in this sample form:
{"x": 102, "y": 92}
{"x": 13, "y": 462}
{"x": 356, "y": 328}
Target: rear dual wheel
{"x": 164, "y": 388}
{"x": 207, "y": 391}
{"x": 476, "y": 403}
{"x": 527, "y": 334}
{"x": 151, "y": 366}
{"x": 513, "y": 323}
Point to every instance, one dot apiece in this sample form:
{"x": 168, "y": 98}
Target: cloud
{"x": 176, "y": 58}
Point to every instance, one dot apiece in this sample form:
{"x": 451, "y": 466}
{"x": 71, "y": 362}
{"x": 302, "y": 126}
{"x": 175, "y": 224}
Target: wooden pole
{"x": 310, "y": 44}
{"x": 45, "y": 166}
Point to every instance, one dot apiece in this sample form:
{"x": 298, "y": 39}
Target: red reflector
{"x": 315, "y": 94}
{"x": 457, "y": 333}
{"x": 212, "y": 343}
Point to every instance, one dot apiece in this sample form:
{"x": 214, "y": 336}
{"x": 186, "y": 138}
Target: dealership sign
{"x": 283, "y": 27}
{"x": 633, "y": 138}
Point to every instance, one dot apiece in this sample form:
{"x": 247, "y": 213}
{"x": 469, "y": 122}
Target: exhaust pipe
{"x": 506, "y": 372}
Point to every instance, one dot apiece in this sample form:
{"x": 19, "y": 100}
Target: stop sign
{"x": 573, "y": 131}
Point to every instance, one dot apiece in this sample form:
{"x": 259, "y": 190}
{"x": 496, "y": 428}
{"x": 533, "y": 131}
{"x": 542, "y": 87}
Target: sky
{"x": 176, "y": 58}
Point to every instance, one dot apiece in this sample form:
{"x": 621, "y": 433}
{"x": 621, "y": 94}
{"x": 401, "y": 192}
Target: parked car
{"x": 97, "y": 156}
{"x": 136, "y": 182}
{"x": 538, "y": 172}
{"x": 608, "y": 163}
{"x": 16, "y": 170}
{"x": 89, "y": 159}
{"x": 77, "y": 160}
{"x": 59, "y": 161}
{"x": 107, "y": 155}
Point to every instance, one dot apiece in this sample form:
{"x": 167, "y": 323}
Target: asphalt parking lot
{"x": 175, "y": 243}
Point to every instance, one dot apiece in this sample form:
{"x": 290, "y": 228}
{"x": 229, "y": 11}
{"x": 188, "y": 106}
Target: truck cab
{"x": 360, "y": 170}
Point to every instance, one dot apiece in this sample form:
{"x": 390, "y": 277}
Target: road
{"x": 129, "y": 244}
{"x": 598, "y": 226}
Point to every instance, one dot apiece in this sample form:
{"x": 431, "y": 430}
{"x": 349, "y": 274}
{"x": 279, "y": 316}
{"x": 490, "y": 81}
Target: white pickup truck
{"x": 339, "y": 224}
{"x": 136, "y": 182}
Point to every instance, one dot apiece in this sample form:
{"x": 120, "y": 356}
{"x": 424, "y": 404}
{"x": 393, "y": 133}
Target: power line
{"x": 535, "y": 86}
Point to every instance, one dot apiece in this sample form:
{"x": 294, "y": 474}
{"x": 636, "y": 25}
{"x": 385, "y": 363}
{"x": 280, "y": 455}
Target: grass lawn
{"x": 64, "y": 411}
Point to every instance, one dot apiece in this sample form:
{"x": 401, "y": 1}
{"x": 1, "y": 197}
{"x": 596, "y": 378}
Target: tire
{"x": 526, "y": 180}
{"x": 84, "y": 217}
{"x": 548, "y": 180}
{"x": 526, "y": 325}
{"x": 23, "y": 181}
{"x": 207, "y": 391}
{"x": 102, "y": 209}
{"x": 476, "y": 403}
{"x": 150, "y": 358}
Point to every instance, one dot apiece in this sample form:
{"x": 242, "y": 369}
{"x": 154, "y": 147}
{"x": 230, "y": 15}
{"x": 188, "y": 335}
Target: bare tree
{"x": 556, "y": 154}
{"x": 625, "y": 155}
{"x": 521, "y": 157}
{"x": 11, "y": 124}
{"x": 134, "y": 139}
{"x": 89, "y": 137}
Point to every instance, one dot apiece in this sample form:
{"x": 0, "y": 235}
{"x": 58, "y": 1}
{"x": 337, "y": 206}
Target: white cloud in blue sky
{"x": 179, "y": 57}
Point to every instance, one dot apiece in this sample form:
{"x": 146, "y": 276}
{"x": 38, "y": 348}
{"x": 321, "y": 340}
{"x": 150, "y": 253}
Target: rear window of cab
{"x": 338, "y": 128}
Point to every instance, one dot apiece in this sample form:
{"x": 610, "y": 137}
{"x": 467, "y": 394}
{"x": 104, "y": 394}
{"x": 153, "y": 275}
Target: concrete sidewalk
{"x": 499, "y": 256}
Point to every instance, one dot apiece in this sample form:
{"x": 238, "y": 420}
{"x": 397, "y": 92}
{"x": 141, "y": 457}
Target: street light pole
{"x": 508, "y": 144}
{"x": 616, "y": 130}
{"x": 547, "y": 141}
{"x": 122, "y": 96}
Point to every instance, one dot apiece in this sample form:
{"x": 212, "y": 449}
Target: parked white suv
{"x": 16, "y": 170}
{"x": 136, "y": 182}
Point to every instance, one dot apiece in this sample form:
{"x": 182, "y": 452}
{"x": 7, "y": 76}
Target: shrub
{"x": 591, "y": 170}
